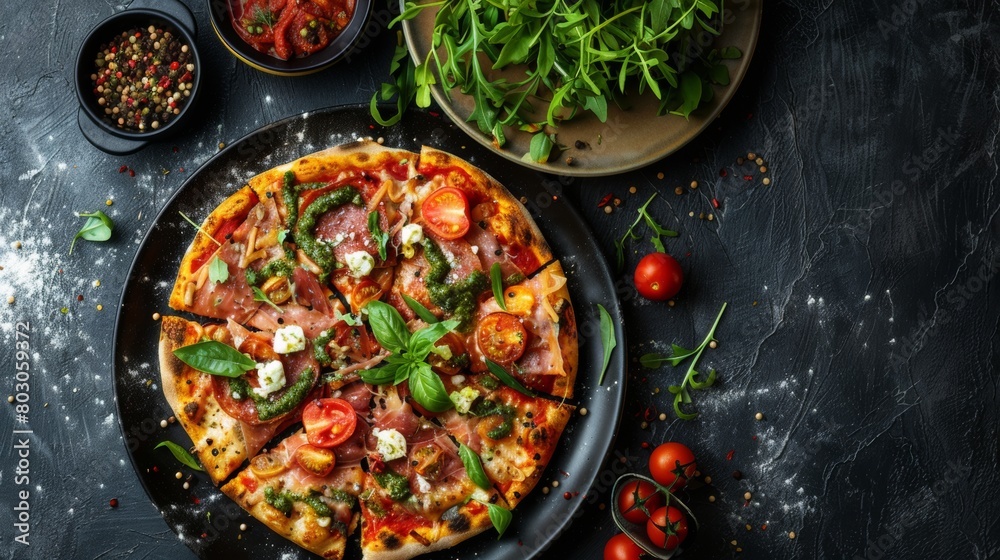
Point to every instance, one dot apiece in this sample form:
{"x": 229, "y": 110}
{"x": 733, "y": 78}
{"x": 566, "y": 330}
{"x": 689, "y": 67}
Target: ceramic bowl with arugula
{"x": 588, "y": 88}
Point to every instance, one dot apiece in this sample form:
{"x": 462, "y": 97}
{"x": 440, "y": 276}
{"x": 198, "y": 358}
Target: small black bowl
{"x": 340, "y": 47}
{"x": 94, "y": 125}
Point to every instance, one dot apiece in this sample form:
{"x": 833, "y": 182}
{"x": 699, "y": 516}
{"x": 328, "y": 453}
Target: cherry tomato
{"x": 667, "y": 527}
{"x": 638, "y": 493}
{"x": 329, "y": 422}
{"x": 658, "y": 277}
{"x": 267, "y": 465}
{"x": 366, "y": 291}
{"x": 620, "y": 547}
{"x": 501, "y": 337}
{"x": 317, "y": 461}
{"x": 672, "y": 464}
{"x": 446, "y": 212}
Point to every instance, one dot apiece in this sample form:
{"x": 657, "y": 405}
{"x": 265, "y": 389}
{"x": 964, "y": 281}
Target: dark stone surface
{"x": 863, "y": 304}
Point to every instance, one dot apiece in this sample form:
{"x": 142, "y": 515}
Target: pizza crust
{"x": 440, "y": 536}
{"x": 217, "y": 437}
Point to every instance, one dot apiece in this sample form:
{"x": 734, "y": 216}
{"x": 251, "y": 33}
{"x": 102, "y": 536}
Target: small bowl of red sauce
{"x": 137, "y": 76}
{"x": 289, "y": 37}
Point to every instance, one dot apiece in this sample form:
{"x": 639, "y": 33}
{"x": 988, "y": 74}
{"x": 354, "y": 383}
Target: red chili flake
{"x": 645, "y": 445}
{"x": 749, "y": 116}
{"x": 182, "y": 170}
{"x": 79, "y": 297}
{"x": 176, "y": 149}
{"x": 114, "y": 49}
{"x": 113, "y": 503}
{"x": 649, "y": 414}
{"x": 123, "y": 169}
{"x": 204, "y": 535}
{"x": 763, "y": 527}
{"x": 723, "y": 173}
{"x": 715, "y": 203}
{"x": 567, "y": 495}
{"x": 434, "y": 114}
{"x": 195, "y": 500}
{"x": 754, "y": 438}
{"x": 163, "y": 83}
{"x": 605, "y": 200}
{"x": 186, "y": 77}
{"x": 155, "y": 468}
{"x": 729, "y": 456}
{"x": 131, "y": 172}
{"x": 748, "y": 177}
{"x": 371, "y": 127}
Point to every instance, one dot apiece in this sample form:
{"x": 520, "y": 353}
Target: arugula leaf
{"x": 608, "y": 339}
{"x": 218, "y": 270}
{"x": 259, "y": 295}
{"x": 349, "y": 319}
{"x": 474, "y": 467}
{"x": 97, "y": 228}
{"x": 496, "y": 278}
{"x": 691, "y": 380}
{"x": 428, "y": 389}
{"x": 388, "y": 326}
{"x": 500, "y": 517}
{"x": 421, "y": 311}
{"x": 181, "y": 454}
{"x": 402, "y": 89}
{"x": 507, "y": 379}
{"x": 378, "y": 236}
{"x": 215, "y": 358}
{"x": 630, "y": 234}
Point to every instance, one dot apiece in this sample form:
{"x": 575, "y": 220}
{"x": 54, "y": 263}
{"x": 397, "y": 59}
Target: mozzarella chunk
{"x": 289, "y": 339}
{"x": 463, "y": 399}
{"x": 390, "y": 444}
{"x": 422, "y": 484}
{"x": 270, "y": 377}
{"x": 359, "y": 263}
{"x": 411, "y": 234}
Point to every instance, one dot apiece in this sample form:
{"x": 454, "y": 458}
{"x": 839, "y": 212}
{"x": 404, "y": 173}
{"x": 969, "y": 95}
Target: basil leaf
{"x": 500, "y": 518}
{"x": 422, "y": 341}
{"x": 218, "y": 270}
{"x": 97, "y": 228}
{"x": 180, "y": 454}
{"x": 215, "y": 358}
{"x": 474, "y": 466}
{"x": 540, "y": 148}
{"x": 259, "y": 295}
{"x": 388, "y": 326}
{"x": 379, "y": 376}
{"x": 730, "y": 52}
{"x": 402, "y": 373}
{"x": 507, "y": 379}
{"x": 421, "y": 311}
{"x": 282, "y": 235}
{"x": 496, "y": 277}
{"x": 380, "y": 237}
{"x": 608, "y": 339}
{"x": 428, "y": 389}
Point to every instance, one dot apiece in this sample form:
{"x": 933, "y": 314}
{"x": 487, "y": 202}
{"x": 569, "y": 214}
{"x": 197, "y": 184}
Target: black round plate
{"x": 205, "y": 519}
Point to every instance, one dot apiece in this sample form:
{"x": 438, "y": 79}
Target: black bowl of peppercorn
{"x": 137, "y": 76}
{"x": 291, "y": 38}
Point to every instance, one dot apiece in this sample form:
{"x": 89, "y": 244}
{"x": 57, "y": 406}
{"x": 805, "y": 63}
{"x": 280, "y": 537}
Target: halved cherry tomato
{"x": 329, "y": 422}
{"x": 519, "y": 300}
{"x": 267, "y": 465}
{"x": 364, "y": 292}
{"x": 501, "y": 337}
{"x": 427, "y": 461}
{"x": 667, "y": 527}
{"x": 317, "y": 461}
{"x": 446, "y": 212}
{"x": 634, "y": 497}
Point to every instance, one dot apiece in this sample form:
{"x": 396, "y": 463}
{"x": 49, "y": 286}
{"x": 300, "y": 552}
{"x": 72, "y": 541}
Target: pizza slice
{"x": 533, "y": 338}
{"x": 229, "y": 419}
{"x": 418, "y": 495}
{"x": 306, "y": 487}
{"x": 514, "y": 434}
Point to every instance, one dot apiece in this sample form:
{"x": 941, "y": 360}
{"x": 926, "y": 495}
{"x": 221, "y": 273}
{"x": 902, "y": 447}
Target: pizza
{"x": 374, "y": 342}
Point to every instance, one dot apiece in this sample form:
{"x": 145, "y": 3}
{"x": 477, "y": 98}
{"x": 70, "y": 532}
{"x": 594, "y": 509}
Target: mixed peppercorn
{"x": 143, "y": 78}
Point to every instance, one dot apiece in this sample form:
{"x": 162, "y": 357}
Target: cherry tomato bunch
{"x": 671, "y": 465}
